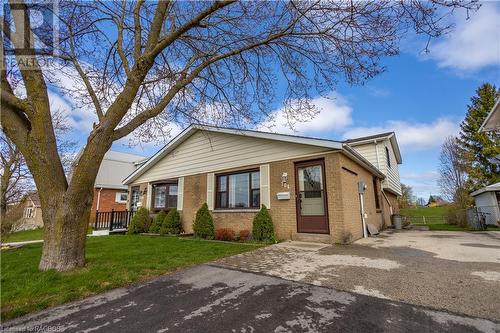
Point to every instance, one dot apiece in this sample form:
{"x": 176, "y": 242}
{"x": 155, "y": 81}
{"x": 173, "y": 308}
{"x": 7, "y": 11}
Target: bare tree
{"x": 406, "y": 199}
{"x": 14, "y": 175}
{"x": 144, "y": 64}
{"x": 452, "y": 174}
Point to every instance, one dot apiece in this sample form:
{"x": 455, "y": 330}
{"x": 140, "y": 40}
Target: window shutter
{"x": 265, "y": 191}
{"x": 180, "y": 192}
{"x": 149, "y": 192}
{"x": 210, "y": 191}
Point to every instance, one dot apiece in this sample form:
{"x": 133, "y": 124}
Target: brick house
{"x": 315, "y": 189}
{"x": 109, "y": 191}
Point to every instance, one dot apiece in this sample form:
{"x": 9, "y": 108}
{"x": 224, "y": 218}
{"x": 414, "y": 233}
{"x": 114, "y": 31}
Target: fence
{"x": 491, "y": 214}
{"x": 113, "y": 220}
{"x": 426, "y": 219}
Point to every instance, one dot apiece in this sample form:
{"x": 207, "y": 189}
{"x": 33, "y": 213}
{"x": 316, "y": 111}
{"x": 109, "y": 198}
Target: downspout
{"x": 98, "y": 199}
{"x": 361, "y": 191}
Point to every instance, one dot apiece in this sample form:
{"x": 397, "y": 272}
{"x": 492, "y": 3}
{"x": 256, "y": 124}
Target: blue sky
{"x": 422, "y": 97}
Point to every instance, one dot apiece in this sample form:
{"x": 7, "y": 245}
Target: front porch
{"x": 112, "y": 222}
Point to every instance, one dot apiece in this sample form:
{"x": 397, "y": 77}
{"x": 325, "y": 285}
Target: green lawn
{"x": 112, "y": 261}
{"x": 423, "y": 211}
{"x": 433, "y": 215}
{"x": 26, "y": 235}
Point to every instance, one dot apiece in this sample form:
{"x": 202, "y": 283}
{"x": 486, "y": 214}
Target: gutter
{"x": 351, "y": 152}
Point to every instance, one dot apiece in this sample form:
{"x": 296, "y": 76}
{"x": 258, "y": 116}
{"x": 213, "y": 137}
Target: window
{"x": 164, "y": 196}
{"x": 238, "y": 190}
{"x": 388, "y": 157}
{"x": 375, "y": 192}
{"x": 134, "y": 197}
{"x": 29, "y": 212}
{"x": 121, "y": 197}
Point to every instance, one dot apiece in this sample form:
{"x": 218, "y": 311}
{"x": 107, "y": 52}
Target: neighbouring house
{"x": 436, "y": 201}
{"x": 492, "y": 121}
{"x": 109, "y": 191}
{"x": 315, "y": 189}
{"x": 31, "y": 213}
{"x": 488, "y": 201}
{"x": 382, "y": 150}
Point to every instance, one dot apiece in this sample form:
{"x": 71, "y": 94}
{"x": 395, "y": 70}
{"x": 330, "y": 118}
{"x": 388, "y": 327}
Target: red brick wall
{"x": 107, "y": 201}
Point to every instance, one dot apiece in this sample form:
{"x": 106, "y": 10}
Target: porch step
{"x": 106, "y": 232}
{"x": 314, "y": 238}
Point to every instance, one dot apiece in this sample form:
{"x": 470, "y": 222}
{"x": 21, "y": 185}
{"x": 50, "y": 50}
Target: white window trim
{"x": 118, "y": 197}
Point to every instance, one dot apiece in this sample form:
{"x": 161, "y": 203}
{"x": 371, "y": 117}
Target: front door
{"x": 312, "y": 214}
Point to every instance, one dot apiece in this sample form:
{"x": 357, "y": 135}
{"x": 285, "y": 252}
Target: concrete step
{"x": 312, "y": 238}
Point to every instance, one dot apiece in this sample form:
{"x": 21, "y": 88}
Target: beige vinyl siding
{"x": 369, "y": 151}
{"x": 392, "y": 181}
{"x": 210, "y": 151}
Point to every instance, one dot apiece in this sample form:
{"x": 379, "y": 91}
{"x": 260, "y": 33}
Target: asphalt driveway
{"x": 454, "y": 271}
{"x": 214, "y": 299}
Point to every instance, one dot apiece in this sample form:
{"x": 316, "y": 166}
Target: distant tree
{"x": 406, "y": 198}
{"x": 14, "y": 175}
{"x": 452, "y": 174}
{"x": 479, "y": 149}
{"x": 431, "y": 200}
{"x": 420, "y": 202}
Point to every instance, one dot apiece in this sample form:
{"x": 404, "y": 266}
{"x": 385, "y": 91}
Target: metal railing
{"x": 115, "y": 219}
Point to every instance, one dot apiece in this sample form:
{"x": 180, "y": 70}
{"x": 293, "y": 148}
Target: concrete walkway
{"x": 213, "y": 299}
{"x": 452, "y": 271}
{"x": 22, "y": 243}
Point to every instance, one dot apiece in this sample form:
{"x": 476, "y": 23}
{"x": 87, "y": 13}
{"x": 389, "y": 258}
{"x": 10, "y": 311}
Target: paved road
{"x": 214, "y": 299}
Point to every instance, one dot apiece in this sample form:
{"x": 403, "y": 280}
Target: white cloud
{"x": 334, "y": 115}
{"x": 133, "y": 143}
{"x": 422, "y": 183}
{"x": 474, "y": 44}
{"x": 411, "y": 135}
{"x": 81, "y": 120}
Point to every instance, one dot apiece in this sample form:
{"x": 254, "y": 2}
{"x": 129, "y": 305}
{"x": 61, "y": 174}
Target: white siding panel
{"x": 148, "y": 196}
{"x": 208, "y": 152}
{"x": 210, "y": 191}
{"x": 265, "y": 191}
{"x": 369, "y": 151}
{"x": 180, "y": 193}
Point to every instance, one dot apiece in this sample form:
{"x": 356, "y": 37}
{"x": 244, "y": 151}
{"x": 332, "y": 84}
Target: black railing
{"x": 115, "y": 219}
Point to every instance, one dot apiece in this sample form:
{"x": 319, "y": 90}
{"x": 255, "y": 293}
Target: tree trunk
{"x": 65, "y": 232}
{"x": 66, "y": 216}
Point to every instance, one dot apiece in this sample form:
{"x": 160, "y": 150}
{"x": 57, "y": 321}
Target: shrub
{"x": 456, "y": 215}
{"x": 157, "y": 222}
{"x": 203, "y": 225}
{"x": 140, "y": 222}
{"x": 244, "y": 235}
{"x": 263, "y": 226}
{"x": 172, "y": 223}
{"x": 224, "y": 234}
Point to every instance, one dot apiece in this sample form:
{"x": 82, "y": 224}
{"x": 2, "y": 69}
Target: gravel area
{"x": 435, "y": 269}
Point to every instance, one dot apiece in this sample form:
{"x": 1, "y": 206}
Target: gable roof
{"x": 492, "y": 120}
{"x": 175, "y": 142}
{"x": 34, "y": 198}
{"x": 489, "y": 188}
{"x": 391, "y": 136}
